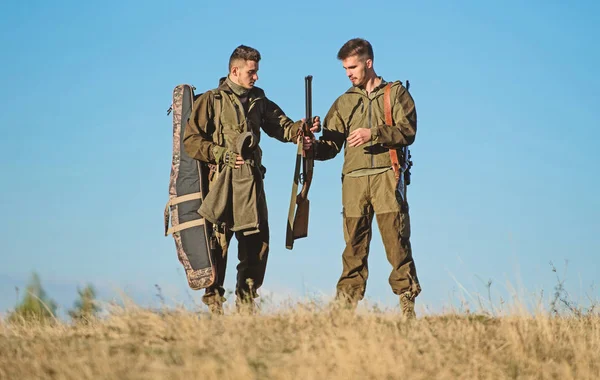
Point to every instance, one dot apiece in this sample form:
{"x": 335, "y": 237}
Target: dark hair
{"x": 244, "y": 52}
{"x": 356, "y": 46}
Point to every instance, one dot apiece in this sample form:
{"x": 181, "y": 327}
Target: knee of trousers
{"x": 355, "y": 228}
{"x": 395, "y": 225}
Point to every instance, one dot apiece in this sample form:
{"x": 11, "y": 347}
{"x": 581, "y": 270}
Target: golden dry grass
{"x": 303, "y": 342}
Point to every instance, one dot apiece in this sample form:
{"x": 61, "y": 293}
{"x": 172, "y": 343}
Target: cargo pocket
{"x": 404, "y": 223}
{"x": 245, "y": 199}
{"x": 345, "y": 225}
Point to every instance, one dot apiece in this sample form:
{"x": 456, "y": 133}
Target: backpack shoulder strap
{"x": 218, "y": 108}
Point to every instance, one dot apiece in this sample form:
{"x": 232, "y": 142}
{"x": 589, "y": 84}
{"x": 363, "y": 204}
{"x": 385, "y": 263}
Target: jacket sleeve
{"x": 332, "y": 140}
{"x": 404, "y": 130}
{"x": 198, "y": 142}
{"x": 277, "y": 125}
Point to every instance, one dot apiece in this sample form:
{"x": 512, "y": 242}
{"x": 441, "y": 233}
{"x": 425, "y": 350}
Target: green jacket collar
{"x": 255, "y": 92}
{"x": 361, "y": 91}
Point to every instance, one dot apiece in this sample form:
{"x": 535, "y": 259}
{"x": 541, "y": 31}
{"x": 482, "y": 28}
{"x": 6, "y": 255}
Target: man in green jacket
{"x": 220, "y": 120}
{"x": 357, "y": 119}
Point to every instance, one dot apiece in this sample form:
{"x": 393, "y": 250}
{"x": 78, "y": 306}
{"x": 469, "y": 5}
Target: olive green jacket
{"x": 355, "y": 109}
{"x": 236, "y": 199}
{"x": 201, "y": 133}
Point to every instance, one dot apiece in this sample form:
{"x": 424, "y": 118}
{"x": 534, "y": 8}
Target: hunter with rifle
{"x": 224, "y": 130}
{"x": 376, "y": 121}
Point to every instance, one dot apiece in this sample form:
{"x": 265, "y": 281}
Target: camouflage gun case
{"x": 188, "y": 185}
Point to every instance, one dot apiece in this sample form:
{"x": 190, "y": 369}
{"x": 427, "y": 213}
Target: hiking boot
{"x": 214, "y": 303}
{"x": 245, "y": 305}
{"x": 244, "y": 300}
{"x": 345, "y": 302}
{"x": 407, "y": 305}
{"x": 216, "y": 308}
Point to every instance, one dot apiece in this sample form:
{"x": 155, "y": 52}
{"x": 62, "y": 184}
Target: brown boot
{"x": 214, "y": 303}
{"x": 245, "y": 305}
{"x": 345, "y": 302}
{"x": 407, "y": 304}
{"x": 244, "y": 300}
{"x": 216, "y": 308}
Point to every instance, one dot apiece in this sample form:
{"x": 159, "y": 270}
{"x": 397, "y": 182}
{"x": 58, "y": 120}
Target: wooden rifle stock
{"x": 297, "y": 226}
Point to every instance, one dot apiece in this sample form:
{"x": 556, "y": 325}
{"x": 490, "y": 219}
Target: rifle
{"x": 401, "y": 167}
{"x": 297, "y": 225}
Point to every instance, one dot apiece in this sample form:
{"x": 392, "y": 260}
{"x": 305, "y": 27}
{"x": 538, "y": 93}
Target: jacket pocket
{"x": 404, "y": 223}
{"x": 245, "y": 198}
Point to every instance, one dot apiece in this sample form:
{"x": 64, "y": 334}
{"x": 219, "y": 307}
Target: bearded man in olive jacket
{"x": 357, "y": 119}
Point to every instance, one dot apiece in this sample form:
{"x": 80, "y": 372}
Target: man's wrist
{"x": 218, "y": 152}
{"x": 375, "y": 134}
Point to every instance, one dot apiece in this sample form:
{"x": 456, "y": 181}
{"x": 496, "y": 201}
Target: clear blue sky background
{"x": 506, "y": 171}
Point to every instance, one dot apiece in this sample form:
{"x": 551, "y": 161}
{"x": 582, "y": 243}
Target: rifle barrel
{"x": 308, "y": 99}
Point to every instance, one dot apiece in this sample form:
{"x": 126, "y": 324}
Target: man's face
{"x": 356, "y": 69}
{"x": 246, "y": 73}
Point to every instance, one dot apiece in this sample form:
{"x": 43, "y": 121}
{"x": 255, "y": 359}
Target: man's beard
{"x": 359, "y": 84}
{"x": 363, "y": 82}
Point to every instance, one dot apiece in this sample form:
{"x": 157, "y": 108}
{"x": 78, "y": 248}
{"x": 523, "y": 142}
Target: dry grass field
{"x": 303, "y": 341}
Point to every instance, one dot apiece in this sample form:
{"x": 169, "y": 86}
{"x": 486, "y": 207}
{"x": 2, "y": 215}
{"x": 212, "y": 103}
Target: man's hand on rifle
{"x": 359, "y": 136}
{"x": 316, "y": 127}
{"x": 308, "y": 141}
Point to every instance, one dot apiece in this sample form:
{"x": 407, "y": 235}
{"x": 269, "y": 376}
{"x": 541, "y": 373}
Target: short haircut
{"x": 356, "y": 46}
{"x": 245, "y": 53}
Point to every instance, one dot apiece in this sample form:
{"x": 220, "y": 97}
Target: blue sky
{"x": 506, "y": 165}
